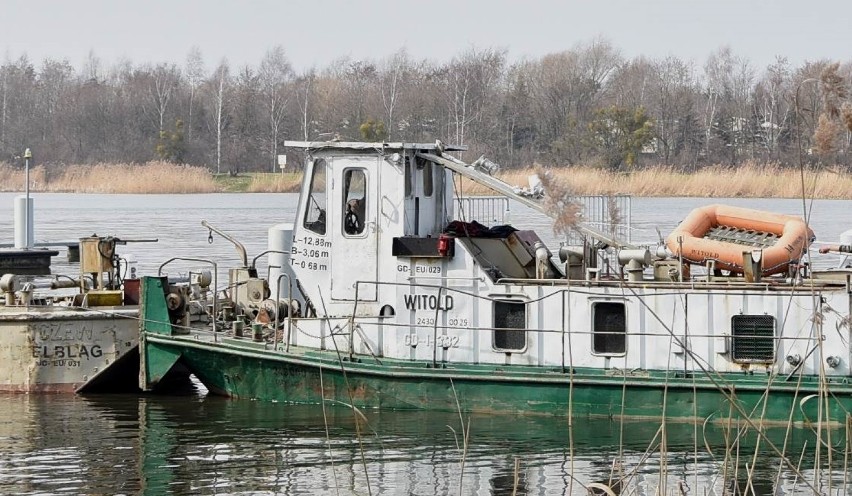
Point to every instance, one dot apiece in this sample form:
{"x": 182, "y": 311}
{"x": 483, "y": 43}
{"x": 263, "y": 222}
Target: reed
{"x": 275, "y": 183}
{"x": 151, "y": 177}
{"x": 749, "y": 180}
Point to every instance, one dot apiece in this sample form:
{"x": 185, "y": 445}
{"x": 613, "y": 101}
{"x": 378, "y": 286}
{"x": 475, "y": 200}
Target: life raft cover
{"x": 722, "y": 233}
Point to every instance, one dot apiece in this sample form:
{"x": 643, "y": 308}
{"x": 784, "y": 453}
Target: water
{"x": 173, "y": 219}
{"x": 176, "y": 221}
{"x": 199, "y": 444}
{"x": 61, "y": 444}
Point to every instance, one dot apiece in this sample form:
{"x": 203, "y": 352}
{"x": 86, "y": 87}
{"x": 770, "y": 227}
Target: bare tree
{"x": 165, "y": 79}
{"x": 541, "y": 108}
{"x": 357, "y": 81}
{"x": 124, "y": 94}
{"x": 195, "y": 75}
{"x": 394, "y": 75}
{"x": 89, "y": 111}
{"x": 19, "y": 119}
{"x": 330, "y": 113}
{"x": 470, "y": 83}
{"x": 422, "y": 113}
{"x": 517, "y": 114}
{"x": 598, "y": 60}
{"x": 631, "y": 82}
{"x": 806, "y": 94}
{"x": 773, "y": 94}
{"x": 92, "y": 67}
{"x": 567, "y": 88}
{"x": 673, "y": 89}
{"x": 729, "y": 79}
{"x": 275, "y": 74}
{"x": 246, "y": 130}
{"x": 54, "y": 83}
{"x": 304, "y": 90}
{"x": 4, "y": 103}
{"x": 219, "y": 87}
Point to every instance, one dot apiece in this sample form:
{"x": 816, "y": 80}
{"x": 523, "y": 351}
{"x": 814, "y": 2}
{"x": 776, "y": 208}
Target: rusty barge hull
{"x": 63, "y": 349}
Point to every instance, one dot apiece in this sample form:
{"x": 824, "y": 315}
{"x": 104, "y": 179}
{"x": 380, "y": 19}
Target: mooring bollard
{"x": 257, "y": 332}
{"x": 237, "y": 327}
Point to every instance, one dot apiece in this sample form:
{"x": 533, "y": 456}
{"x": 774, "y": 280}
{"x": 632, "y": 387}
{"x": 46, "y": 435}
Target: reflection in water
{"x": 209, "y": 445}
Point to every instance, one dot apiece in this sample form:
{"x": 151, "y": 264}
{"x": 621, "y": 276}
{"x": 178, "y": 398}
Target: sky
{"x": 315, "y": 33}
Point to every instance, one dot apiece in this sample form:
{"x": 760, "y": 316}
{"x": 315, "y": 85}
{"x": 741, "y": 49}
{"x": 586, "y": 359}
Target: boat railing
{"x": 437, "y": 328}
{"x": 680, "y": 339}
{"x": 726, "y": 285}
{"x": 691, "y": 334}
{"x": 347, "y": 327}
{"x": 215, "y": 282}
{"x": 446, "y": 278}
{"x": 487, "y": 210}
{"x": 289, "y": 309}
{"x": 611, "y": 214}
{"x": 278, "y": 293}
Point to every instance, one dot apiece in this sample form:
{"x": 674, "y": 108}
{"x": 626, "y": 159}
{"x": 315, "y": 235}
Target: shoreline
{"x": 748, "y": 181}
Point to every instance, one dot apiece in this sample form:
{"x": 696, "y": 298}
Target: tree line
{"x": 586, "y": 105}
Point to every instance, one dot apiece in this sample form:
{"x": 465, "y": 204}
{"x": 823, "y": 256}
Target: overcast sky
{"x": 316, "y": 32}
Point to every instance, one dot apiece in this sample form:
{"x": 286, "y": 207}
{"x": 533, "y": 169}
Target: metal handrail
{"x": 215, "y": 283}
{"x": 289, "y": 310}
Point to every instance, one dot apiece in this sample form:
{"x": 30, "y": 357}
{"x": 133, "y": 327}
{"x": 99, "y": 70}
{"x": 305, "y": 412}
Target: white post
{"x": 23, "y": 223}
{"x": 29, "y": 210}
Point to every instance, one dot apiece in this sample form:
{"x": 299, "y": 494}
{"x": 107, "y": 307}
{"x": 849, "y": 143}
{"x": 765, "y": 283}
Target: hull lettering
{"x": 67, "y": 351}
{"x": 428, "y": 302}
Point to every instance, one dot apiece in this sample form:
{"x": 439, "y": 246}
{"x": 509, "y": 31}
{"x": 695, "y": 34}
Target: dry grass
{"x": 559, "y": 199}
{"x": 152, "y": 177}
{"x": 755, "y": 181}
{"x": 275, "y": 183}
{"x": 750, "y": 180}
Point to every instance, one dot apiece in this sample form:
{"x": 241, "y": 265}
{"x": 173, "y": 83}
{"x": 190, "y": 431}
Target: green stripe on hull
{"x": 242, "y": 370}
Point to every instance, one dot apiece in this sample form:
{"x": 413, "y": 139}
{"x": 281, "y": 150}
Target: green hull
{"x": 241, "y": 369}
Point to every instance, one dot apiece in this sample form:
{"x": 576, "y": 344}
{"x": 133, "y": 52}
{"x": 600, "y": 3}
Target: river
{"x": 198, "y": 444}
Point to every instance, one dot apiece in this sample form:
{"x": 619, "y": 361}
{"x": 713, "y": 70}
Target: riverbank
{"x": 749, "y": 181}
{"x": 151, "y": 177}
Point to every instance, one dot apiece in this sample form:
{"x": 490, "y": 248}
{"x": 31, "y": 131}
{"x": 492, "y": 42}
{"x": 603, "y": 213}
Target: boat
{"x": 721, "y": 234}
{"x": 68, "y": 334}
{"x": 381, "y": 295}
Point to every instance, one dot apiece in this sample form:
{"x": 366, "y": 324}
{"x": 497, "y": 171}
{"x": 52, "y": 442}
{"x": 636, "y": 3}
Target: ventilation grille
{"x": 753, "y": 338}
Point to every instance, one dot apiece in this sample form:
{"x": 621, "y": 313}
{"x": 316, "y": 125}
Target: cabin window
{"x": 753, "y": 338}
{"x": 510, "y": 324}
{"x": 428, "y": 185}
{"x": 315, "y": 208}
{"x": 609, "y": 328}
{"x": 409, "y": 177}
{"x": 354, "y": 201}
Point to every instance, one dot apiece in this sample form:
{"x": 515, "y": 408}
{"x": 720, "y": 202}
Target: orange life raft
{"x": 722, "y": 233}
